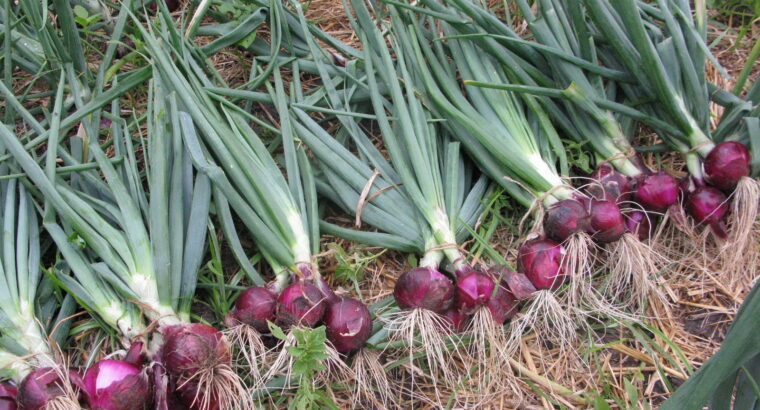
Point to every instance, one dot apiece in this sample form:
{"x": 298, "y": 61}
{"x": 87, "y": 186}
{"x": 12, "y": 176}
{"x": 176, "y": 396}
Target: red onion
{"x": 457, "y": 320}
{"x": 349, "y": 324}
{"x": 610, "y": 184}
{"x": 43, "y": 385}
{"x": 301, "y": 303}
{"x": 473, "y": 289}
{"x": 255, "y": 306}
{"x": 192, "y": 347}
{"x": 116, "y": 385}
{"x": 424, "y": 288}
{"x": 8, "y": 393}
{"x": 708, "y": 205}
{"x": 502, "y": 305}
{"x": 726, "y": 164}
{"x": 657, "y": 191}
{"x": 637, "y": 223}
{"x": 565, "y": 218}
{"x": 189, "y": 397}
{"x": 541, "y": 260}
{"x": 606, "y": 223}
{"x": 517, "y": 283}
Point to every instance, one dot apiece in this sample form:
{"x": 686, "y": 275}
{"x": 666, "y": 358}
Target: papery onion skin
{"x": 541, "y": 261}
{"x": 349, "y": 324}
{"x": 726, "y": 164}
{"x": 8, "y": 393}
{"x": 116, "y": 385}
{"x": 43, "y": 385}
{"x": 565, "y": 218}
{"x": 424, "y": 288}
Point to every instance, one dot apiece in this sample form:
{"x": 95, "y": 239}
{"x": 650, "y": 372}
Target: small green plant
{"x": 308, "y": 354}
{"x": 352, "y": 263}
{"x": 84, "y": 18}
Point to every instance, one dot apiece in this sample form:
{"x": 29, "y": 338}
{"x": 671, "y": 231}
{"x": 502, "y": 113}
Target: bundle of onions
{"x": 561, "y": 58}
{"x": 26, "y": 355}
{"x": 141, "y": 247}
{"x": 667, "y": 60}
{"x": 280, "y": 213}
{"x": 514, "y": 142}
{"x": 421, "y": 199}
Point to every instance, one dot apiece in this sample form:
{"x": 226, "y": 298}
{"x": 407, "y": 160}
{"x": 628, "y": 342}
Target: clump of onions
{"x": 610, "y": 184}
{"x": 564, "y": 219}
{"x": 301, "y": 303}
{"x": 424, "y": 288}
{"x": 349, "y": 324}
{"x": 656, "y": 191}
{"x": 726, "y": 164}
{"x": 457, "y": 320}
{"x": 8, "y": 393}
{"x": 473, "y": 289}
{"x": 541, "y": 261}
{"x": 116, "y": 385}
{"x": 44, "y": 385}
{"x": 708, "y": 205}
{"x": 254, "y": 307}
{"x": 638, "y": 223}
{"x": 606, "y": 223}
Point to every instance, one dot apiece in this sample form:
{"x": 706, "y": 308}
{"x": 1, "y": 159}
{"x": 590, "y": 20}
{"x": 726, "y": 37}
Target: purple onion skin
{"x": 541, "y": 260}
{"x": 473, "y": 289}
{"x": 565, "y": 218}
{"x": 188, "y": 397}
{"x": 8, "y": 393}
{"x": 611, "y": 185}
{"x": 502, "y": 305}
{"x": 116, "y": 385}
{"x": 726, "y": 164}
{"x": 517, "y": 283}
{"x": 657, "y": 191}
{"x": 457, "y": 320}
{"x": 41, "y": 386}
{"x": 192, "y": 347}
{"x": 255, "y": 306}
{"x": 638, "y": 223}
{"x": 606, "y": 222}
{"x": 349, "y": 324}
{"x": 708, "y": 205}
{"x": 424, "y": 288}
{"x": 301, "y": 303}
{"x": 135, "y": 355}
